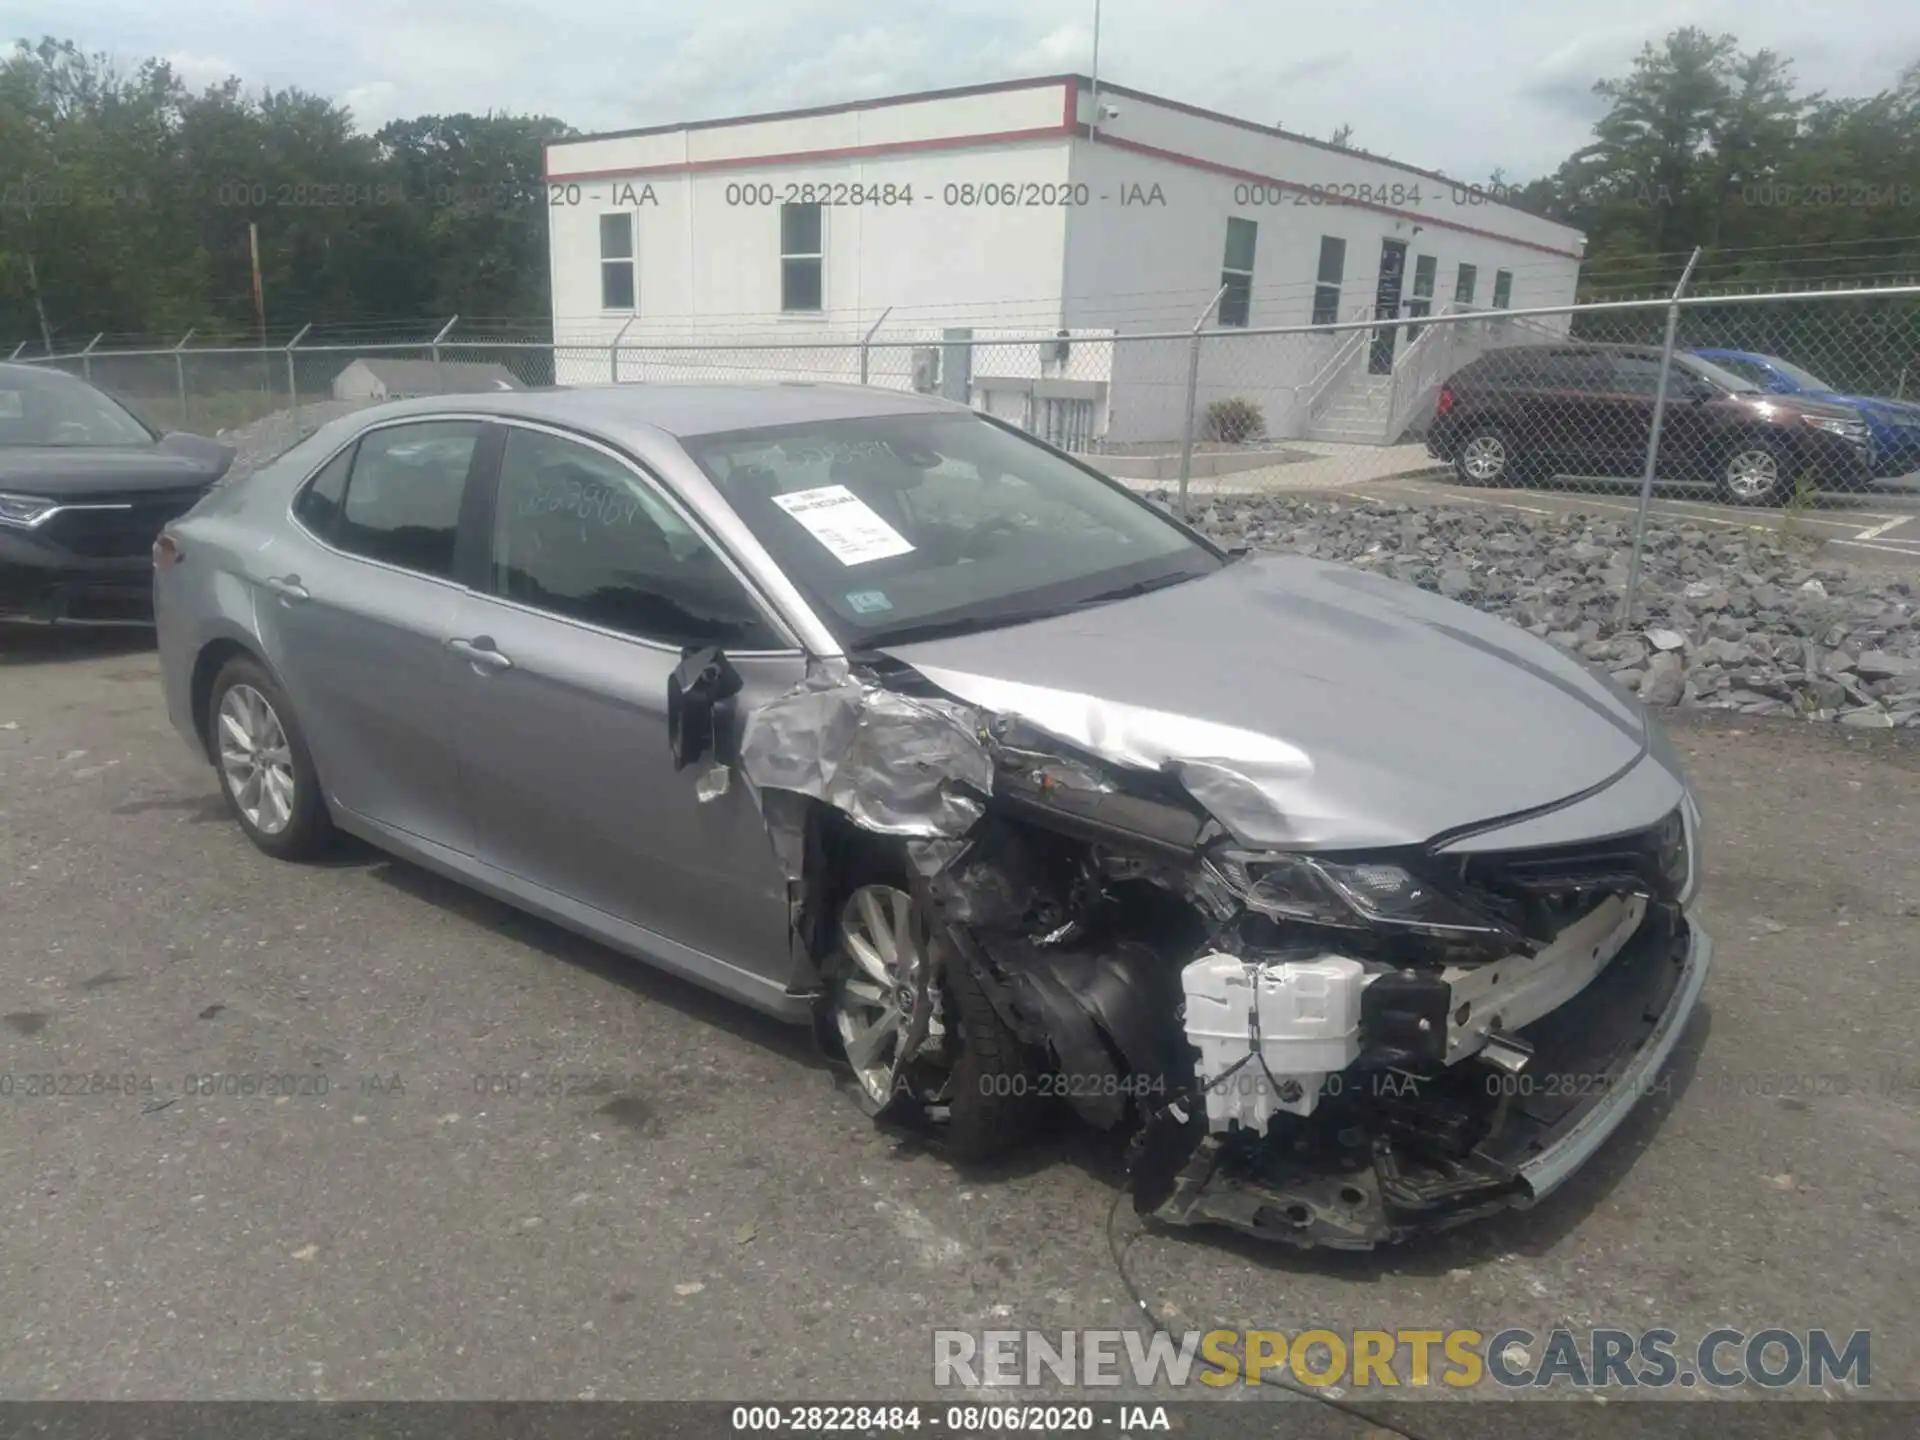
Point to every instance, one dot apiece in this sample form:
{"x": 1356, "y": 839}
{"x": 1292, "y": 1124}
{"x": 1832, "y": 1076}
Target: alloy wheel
{"x": 1484, "y": 457}
{"x": 256, "y": 763}
{"x": 1752, "y": 474}
{"x": 885, "y": 945}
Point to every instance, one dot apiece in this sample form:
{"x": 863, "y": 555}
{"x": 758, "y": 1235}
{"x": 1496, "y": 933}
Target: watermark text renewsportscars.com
{"x": 1771, "y": 1358}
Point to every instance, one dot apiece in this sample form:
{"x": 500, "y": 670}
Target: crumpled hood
{"x": 1308, "y": 704}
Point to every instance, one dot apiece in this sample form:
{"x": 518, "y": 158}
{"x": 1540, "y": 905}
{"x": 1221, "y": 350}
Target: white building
{"x": 384, "y": 378}
{"x": 1011, "y": 211}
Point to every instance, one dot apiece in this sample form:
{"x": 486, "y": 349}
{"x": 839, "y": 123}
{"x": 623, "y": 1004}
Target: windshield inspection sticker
{"x": 844, "y": 523}
{"x": 868, "y": 602}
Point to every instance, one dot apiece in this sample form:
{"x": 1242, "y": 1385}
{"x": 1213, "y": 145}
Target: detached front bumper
{"x": 1391, "y": 1156}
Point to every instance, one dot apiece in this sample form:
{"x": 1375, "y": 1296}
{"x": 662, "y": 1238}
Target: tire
{"x": 995, "y": 1098}
{"x": 246, "y": 710}
{"x": 989, "y": 1092}
{"x": 1486, "y": 456}
{"x": 1753, "y": 470}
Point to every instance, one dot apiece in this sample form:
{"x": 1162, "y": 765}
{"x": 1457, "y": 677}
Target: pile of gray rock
{"x": 269, "y": 437}
{"x": 1728, "y": 619}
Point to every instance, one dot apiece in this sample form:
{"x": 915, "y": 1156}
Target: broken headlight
{"x": 1353, "y": 896}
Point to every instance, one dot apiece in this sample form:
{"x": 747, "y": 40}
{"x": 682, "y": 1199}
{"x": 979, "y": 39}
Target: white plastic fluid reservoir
{"x": 1309, "y": 1025}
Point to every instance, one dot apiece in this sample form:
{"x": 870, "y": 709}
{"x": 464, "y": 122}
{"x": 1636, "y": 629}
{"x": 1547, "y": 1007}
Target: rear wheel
{"x": 266, "y": 772}
{"x": 970, "y": 1074}
{"x": 1487, "y": 457}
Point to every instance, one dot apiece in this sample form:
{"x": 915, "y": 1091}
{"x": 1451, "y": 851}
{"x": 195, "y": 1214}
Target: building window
{"x": 1502, "y": 289}
{"x": 800, "y": 253}
{"x": 1425, "y": 271}
{"x": 616, "y": 261}
{"x": 1236, "y": 272}
{"x": 1326, "y": 290}
{"x": 1463, "y": 284}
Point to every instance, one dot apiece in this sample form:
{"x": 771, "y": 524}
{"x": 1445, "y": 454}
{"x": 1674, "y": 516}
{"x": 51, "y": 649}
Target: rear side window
{"x": 1564, "y": 370}
{"x": 403, "y": 496}
{"x": 1487, "y": 370}
{"x": 318, "y": 506}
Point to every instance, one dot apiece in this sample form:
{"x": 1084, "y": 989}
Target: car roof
{"x": 684, "y": 409}
{"x": 1520, "y": 355}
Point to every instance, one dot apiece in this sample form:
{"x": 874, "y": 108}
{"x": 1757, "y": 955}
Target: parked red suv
{"x": 1533, "y": 411}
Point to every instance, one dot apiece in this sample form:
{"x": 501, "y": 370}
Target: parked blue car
{"x": 1894, "y": 425}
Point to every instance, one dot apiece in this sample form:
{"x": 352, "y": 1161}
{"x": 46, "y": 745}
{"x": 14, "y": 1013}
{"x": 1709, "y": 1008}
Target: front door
{"x": 596, "y": 584}
{"x": 353, "y": 609}
{"x": 1386, "y": 304}
{"x": 1686, "y": 427}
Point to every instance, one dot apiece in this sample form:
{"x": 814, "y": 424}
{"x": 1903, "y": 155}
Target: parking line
{"x": 1896, "y": 549}
{"x": 1877, "y": 531}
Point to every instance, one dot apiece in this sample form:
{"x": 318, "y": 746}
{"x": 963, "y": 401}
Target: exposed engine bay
{"x": 1079, "y": 906}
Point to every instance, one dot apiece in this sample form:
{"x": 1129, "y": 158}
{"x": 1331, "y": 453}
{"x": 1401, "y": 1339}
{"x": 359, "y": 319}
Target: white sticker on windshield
{"x": 844, "y": 523}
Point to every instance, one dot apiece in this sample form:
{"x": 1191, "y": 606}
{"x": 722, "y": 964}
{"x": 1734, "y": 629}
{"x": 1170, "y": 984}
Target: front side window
{"x": 1236, "y": 272}
{"x": 1640, "y": 374}
{"x": 801, "y": 253}
{"x": 1326, "y": 289}
{"x": 617, "y": 288}
{"x": 580, "y": 534}
{"x": 402, "y": 505}
{"x": 897, "y": 526}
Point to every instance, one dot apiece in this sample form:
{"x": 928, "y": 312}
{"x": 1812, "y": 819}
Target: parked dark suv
{"x": 1533, "y": 411}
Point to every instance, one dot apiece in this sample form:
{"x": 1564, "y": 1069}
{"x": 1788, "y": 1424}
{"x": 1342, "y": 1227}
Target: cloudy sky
{"x": 1458, "y": 85}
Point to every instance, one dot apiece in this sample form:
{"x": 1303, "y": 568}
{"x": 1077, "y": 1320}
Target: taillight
{"x": 167, "y": 552}
{"x": 1445, "y": 402}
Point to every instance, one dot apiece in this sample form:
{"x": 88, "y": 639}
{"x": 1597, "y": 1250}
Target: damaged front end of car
{"x": 1324, "y": 1047}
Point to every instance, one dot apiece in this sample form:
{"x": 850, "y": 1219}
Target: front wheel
{"x": 266, "y": 772}
{"x": 970, "y": 1073}
{"x": 1753, "y": 472}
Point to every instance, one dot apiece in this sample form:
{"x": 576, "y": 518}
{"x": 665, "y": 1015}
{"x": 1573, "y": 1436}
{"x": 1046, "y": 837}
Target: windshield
{"x": 54, "y": 410}
{"x": 901, "y": 527}
{"x": 1718, "y": 374}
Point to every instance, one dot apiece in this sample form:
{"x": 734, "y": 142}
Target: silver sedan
{"x": 1363, "y": 912}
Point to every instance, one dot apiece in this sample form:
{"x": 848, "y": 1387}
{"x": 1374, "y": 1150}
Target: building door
{"x": 1386, "y": 304}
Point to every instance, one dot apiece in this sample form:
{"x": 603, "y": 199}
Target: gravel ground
{"x": 259, "y": 441}
{"x": 1741, "y": 621}
{"x": 703, "y": 1213}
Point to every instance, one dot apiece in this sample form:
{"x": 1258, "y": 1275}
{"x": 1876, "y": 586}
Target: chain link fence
{"x": 1747, "y": 403}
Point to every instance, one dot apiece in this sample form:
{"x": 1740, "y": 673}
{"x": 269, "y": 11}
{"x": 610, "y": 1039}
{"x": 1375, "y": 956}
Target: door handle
{"x": 287, "y": 587}
{"x": 480, "y": 653}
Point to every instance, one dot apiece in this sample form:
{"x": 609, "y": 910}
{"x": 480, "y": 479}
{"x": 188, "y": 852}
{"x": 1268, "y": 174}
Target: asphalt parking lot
{"x": 519, "y": 1166}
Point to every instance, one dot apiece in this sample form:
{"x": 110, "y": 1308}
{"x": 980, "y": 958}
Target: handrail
{"x": 1318, "y": 387}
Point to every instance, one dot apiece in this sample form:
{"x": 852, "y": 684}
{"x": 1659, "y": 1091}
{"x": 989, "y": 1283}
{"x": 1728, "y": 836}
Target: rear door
{"x": 596, "y": 583}
{"x": 354, "y": 606}
{"x": 1573, "y": 412}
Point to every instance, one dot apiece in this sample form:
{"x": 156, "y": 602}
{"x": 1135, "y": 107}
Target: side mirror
{"x": 702, "y": 713}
